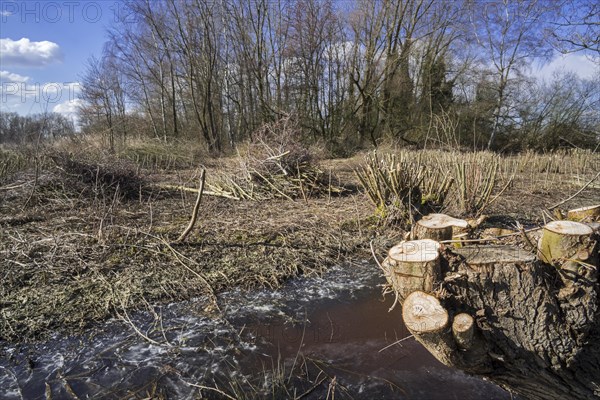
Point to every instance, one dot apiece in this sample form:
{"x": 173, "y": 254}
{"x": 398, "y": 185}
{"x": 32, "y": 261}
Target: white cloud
{"x": 26, "y": 53}
{"x": 12, "y": 77}
{"x": 68, "y": 108}
{"x": 25, "y": 97}
{"x": 5, "y": 13}
{"x": 584, "y": 66}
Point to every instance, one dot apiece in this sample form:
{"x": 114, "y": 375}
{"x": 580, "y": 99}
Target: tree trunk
{"x": 502, "y": 313}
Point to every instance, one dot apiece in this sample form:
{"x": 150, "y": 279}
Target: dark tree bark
{"x": 536, "y": 327}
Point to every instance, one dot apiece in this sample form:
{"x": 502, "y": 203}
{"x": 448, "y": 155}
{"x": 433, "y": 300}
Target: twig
{"x": 299, "y": 348}
{"x": 490, "y": 238}
{"x": 375, "y": 257}
{"x": 396, "y": 299}
{"x": 576, "y": 193}
{"x": 309, "y": 391}
{"x": 487, "y": 203}
{"x": 396, "y": 342}
{"x": 14, "y": 186}
{"x": 69, "y": 389}
{"x": 201, "y": 387}
{"x": 194, "y": 190}
{"x": 196, "y": 208}
{"x": 178, "y": 256}
{"x": 278, "y": 156}
{"x": 135, "y": 328}
{"x": 524, "y": 235}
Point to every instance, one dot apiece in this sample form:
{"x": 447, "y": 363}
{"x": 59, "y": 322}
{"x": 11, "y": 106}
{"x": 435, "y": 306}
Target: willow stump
{"x": 502, "y": 313}
{"x": 437, "y": 227}
{"x": 590, "y": 213}
{"x": 413, "y": 265}
{"x": 463, "y": 328}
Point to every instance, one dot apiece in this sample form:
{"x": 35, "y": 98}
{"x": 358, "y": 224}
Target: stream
{"x": 328, "y": 337}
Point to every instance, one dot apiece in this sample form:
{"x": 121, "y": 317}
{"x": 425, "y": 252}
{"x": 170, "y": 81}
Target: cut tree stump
{"x": 571, "y": 247}
{"x": 566, "y": 244}
{"x": 437, "y": 227}
{"x": 591, "y": 213}
{"x": 486, "y": 260}
{"x": 413, "y": 265}
{"x": 501, "y": 313}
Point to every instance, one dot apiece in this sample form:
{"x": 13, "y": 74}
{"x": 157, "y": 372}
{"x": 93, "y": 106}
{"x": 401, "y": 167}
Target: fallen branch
{"x": 576, "y": 193}
{"x": 195, "y": 211}
{"x": 206, "y": 192}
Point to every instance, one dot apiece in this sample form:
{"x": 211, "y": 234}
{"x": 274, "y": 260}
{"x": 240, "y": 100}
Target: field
{"x": 85, "y": 235}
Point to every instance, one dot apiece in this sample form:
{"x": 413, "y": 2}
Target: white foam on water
{"x": 197, "y": 347}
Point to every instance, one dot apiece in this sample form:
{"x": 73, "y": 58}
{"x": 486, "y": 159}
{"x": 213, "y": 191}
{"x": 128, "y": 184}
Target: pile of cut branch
{"x": 275, "y": 165}
{"x": 107, "y": 176}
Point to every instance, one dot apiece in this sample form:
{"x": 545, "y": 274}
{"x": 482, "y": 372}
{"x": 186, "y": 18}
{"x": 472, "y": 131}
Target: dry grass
{"x": 74, "y": 256}
{"x": 74, "y": 251}
{"x": 11, "y": 161}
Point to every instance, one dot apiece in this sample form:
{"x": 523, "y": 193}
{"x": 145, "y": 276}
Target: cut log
{"x": 413, "y": 265}
{"x": 428, "y": 321}
{"x": 423, "y": 314}
{"x": 591, "y": 213}
{"x": 437, "y": 227}
{"x": 463, "y": 328}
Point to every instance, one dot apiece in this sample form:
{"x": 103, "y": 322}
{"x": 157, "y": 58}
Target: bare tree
{"x": 353, "y": 73}
{"x": 103, "y": 95}
{"x": 510, "y": 34}
{"x": 577, "y": 28}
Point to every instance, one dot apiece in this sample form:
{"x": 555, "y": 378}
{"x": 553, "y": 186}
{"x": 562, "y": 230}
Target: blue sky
{"x": 44, "y": 48}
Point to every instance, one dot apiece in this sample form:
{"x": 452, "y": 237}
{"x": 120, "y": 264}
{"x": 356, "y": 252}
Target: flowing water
{"x": 331, "y": 336}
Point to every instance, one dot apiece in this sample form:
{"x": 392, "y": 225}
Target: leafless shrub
{"x": 392, "y": 185}
{"x": 404, "y": 184}
{"x": 108, "y": 175}
{"x": 479, "y": 181}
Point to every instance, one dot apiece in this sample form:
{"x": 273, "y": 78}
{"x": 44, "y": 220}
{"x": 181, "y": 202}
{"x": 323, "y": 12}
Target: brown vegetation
{"x": 92, "y": 235}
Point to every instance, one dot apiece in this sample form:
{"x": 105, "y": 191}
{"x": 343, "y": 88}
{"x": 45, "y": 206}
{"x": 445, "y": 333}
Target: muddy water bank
{"x": 313, "y": 337}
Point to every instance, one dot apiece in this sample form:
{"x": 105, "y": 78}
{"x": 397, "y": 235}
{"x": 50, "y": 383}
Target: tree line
{"x": 350, "y": 74}
{"x": 21, "y": 129}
